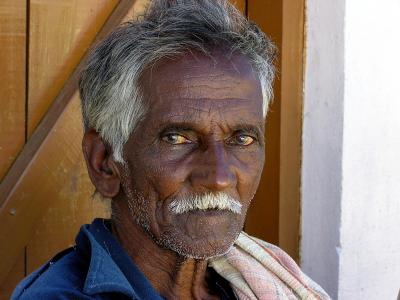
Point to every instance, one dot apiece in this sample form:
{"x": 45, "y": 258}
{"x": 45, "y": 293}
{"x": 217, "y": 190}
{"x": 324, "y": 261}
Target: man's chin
{"x": 197, "y": 249}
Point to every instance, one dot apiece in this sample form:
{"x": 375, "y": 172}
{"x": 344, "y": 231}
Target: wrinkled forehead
{"x": 218, "y": 80}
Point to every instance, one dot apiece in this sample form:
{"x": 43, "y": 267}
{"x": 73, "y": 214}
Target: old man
{"x": 174, "y": 106}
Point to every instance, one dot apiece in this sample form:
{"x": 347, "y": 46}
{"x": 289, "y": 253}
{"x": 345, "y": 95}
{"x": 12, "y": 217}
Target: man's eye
{"x": 241, "y": 140}
{"x": 175, "y": 139}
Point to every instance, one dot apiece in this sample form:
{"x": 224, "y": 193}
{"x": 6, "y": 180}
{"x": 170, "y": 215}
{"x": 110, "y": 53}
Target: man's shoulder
{"x": 62, "y": 277}
{"x": 85, "y": 271}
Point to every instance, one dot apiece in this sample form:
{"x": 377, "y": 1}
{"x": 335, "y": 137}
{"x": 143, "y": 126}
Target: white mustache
{"x": 220, "y": 201}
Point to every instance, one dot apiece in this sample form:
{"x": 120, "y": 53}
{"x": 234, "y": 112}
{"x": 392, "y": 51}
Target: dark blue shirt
{"x": 96, "y": 268}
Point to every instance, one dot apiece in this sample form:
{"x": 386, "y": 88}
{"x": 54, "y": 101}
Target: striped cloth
{"x": 259, "y": 270}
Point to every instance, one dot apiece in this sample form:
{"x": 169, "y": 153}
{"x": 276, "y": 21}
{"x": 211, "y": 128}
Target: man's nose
{"x": 214, "y": 170}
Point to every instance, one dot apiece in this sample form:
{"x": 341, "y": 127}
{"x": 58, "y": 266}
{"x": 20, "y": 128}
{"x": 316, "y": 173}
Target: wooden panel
{"x": 12, "y": 80}
{"x": 73, "y": 205}
{"x": 56, "y": 175}
{"x": 60, "y": 33}
{"x": 291, "y": 122}
{"x": 263, "y": 215}
{"x": 12, "y": 112}
{"x": 26, "y": 192}
{"x": 66, "y": 182}
{"x": 240, "y": 5}
{"x": 16, "y": 274}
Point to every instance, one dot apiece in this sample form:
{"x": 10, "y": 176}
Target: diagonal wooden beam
{"x": 18, "y": 213}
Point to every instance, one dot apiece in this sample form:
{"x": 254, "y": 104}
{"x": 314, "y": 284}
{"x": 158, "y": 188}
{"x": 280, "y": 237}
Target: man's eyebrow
{"x": 177, "y": 126}
{"x": 189, "y": 126}
{"x": 253, "y": 128}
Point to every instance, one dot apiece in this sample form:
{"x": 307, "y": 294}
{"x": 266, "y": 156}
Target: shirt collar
{"x": 111, "y": 269}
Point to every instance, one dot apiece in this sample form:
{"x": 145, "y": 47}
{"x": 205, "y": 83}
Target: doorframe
{"x": 292, "y": 91}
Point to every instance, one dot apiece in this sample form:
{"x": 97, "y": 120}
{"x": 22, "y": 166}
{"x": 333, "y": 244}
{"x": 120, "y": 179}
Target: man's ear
{"x": 103, "y": 171}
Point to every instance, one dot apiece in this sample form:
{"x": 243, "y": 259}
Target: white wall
{"x": 370, "y": 233}
{"x": 322, "y": 142}
{"x": 351, "y": 148}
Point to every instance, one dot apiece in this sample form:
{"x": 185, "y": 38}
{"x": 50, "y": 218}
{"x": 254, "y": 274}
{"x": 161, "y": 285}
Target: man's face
{"x": 203, "y": 134}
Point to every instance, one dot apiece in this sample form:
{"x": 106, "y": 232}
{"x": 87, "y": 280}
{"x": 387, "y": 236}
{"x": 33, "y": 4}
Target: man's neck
{"x": 172, "y": 276}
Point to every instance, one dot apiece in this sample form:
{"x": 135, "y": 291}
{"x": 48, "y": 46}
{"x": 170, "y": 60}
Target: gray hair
{"x": 112, "y": 99}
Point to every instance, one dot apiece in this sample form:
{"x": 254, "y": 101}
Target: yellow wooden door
{"x": 46, "y": 195}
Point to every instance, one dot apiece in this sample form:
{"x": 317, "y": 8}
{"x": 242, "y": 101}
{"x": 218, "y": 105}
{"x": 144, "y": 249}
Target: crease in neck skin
{"x": 171, "y": 275}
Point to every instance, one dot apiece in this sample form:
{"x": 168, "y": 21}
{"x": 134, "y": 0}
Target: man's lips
{"x": 208, "y": 212}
